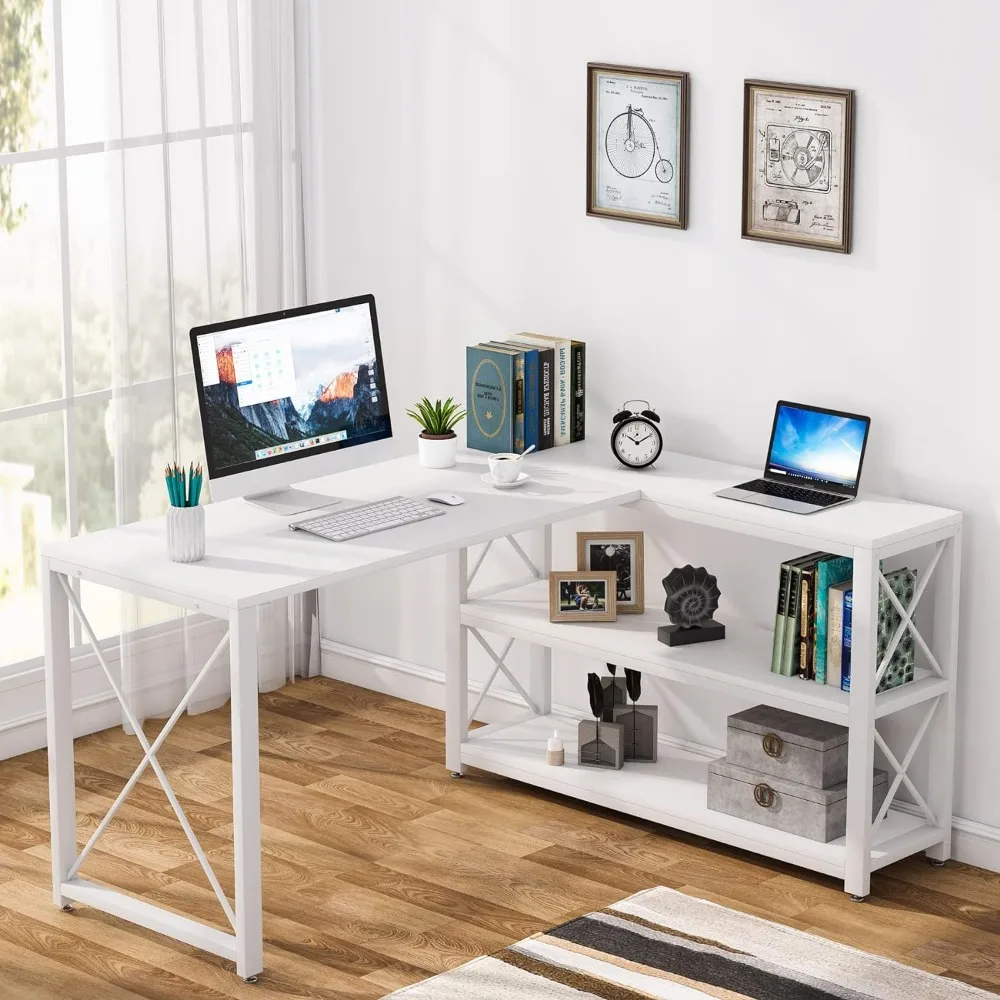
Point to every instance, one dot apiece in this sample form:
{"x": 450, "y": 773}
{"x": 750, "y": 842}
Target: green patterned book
{"x": 829, "y": 570}
{"x": 902, "y": 582}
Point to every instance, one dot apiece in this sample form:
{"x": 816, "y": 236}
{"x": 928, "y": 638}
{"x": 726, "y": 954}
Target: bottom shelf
{"x": 671, "y": 792}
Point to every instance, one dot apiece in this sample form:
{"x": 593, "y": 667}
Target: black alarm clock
{"x": 636, "y": 441}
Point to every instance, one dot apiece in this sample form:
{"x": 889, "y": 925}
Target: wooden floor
{"x": 380, "y": 869}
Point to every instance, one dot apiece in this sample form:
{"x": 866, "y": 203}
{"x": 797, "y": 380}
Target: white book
{"x": 562, "y": 410}
{"x": 835, "y": 631}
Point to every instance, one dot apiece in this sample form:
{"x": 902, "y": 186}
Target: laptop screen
{"x": 822, "y": 447}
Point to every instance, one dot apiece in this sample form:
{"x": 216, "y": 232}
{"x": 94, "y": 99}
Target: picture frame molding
{"x": 638, "y": 605}
{"x": 684, "y": 79}
{"x": 848, "y": 180}
{"x": 609, "y": 614}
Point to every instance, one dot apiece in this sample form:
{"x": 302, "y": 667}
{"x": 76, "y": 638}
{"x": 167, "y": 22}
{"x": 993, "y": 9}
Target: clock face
{"x": 636, "y": 443}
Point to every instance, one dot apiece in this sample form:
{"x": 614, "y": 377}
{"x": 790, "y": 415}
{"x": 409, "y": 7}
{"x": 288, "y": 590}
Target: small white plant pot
{"x": 438, "y": 452}
{"x": 186, "y": 533}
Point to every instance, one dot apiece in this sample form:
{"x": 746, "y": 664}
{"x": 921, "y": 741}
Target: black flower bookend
{"x": 692, "y": 599}
{"x": 602, "y": 744}
{"x": 614, "y": 692}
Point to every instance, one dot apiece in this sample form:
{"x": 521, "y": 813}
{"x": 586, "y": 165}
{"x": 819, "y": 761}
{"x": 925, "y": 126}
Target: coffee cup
{"x": 505, "y": 467}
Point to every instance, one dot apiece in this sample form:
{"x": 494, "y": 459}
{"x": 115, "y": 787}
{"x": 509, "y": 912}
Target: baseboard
{"x": 973, "y": 843}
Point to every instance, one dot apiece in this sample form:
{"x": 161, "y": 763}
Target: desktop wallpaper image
{"x": 817, "y": 445}
{"x": 332, "y": 393}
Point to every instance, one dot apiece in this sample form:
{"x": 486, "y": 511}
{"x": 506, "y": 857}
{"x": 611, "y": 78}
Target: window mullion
{"x": 199, "y": 42}
{"x": 69, "y": 413}
{"x": 234, "y": 75}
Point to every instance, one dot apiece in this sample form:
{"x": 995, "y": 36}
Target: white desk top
{"x": 253, "y": 558}
{"x": 684, "y": 485}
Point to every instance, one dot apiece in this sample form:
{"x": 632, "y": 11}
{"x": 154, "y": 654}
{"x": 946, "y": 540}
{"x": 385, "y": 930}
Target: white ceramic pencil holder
{"x": 186, "y": 533}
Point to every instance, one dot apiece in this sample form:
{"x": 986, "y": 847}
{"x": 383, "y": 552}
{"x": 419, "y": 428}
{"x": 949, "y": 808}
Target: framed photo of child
{"x": 579, "y": 597}
{"x": 622, "y": 553}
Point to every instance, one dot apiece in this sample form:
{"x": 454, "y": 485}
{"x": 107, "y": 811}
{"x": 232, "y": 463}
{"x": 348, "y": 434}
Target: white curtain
{"x": 205, "y": 224}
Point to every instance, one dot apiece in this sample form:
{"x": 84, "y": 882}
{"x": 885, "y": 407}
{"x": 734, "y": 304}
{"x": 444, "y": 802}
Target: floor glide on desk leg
{"x": 858, "y": 899}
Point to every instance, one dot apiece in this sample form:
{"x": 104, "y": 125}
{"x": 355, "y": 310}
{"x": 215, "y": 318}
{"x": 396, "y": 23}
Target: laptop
{"x": 813, "y": 461}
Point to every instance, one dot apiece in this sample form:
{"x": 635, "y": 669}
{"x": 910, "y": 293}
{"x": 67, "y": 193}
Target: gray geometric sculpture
{"x": 640, "y": 721}
{"x": 692, "y": 598}
{"x": 602, "y": 744}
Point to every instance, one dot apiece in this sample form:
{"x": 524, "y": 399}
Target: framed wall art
{"x": 581, "y": 596}
{"x": 797, "y": 164}
{"x": 622, "y": 552}
{"x": 637, "y": 144}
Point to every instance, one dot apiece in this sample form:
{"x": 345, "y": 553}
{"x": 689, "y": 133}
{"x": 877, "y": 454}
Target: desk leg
{"x": 456, "y": 702}
{"x": 59, "y": 729}
{"x": 861, "y": 740}
{"x": 246, "y": 793}
{"x": 540, "y": 657}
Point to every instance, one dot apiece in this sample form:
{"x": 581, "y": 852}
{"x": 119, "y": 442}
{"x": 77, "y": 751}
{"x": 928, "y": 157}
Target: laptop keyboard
{"x": 787, "y": 492}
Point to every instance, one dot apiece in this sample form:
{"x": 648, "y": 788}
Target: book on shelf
{"x": 836, "y": 595}
{"x": 830, "y": 570}
{"x": 779, "y": 619}
{"x": 518, "y": 395}
{"x": 901, "y": 669}
{"x": 562, "y": 401}
{"x": 807, "y": 621}
{"x": 490, "y": 398}
{"x": 530, "y": 392}
{"x": 578, "y": 387}
{"x": 845, "y": 641}
{"x": 790, "y": 643}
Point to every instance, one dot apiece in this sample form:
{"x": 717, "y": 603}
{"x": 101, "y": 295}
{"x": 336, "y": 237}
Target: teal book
{"x": 489, "y": 373}
{"x": 829, "y": 571}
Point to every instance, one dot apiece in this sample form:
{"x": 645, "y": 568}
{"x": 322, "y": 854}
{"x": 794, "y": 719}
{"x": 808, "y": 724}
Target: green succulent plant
{"x": 438, "y": 419}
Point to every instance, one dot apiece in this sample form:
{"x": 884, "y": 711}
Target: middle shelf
{"x": 740, "y": 662}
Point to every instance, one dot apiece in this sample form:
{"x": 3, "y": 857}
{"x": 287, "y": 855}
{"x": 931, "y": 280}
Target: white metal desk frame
{"x": 245, "y": 945}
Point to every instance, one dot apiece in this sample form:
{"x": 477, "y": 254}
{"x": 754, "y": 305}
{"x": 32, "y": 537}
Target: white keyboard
{"x": 343, "y": 525}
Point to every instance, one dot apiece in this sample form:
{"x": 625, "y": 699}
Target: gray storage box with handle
{"x": 815, "y": 813}
{"x": 786, "y": 745}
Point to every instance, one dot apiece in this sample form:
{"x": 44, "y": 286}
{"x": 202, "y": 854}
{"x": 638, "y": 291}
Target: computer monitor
{"x": 291, "y": 396}
{"x": 816, "y": 447}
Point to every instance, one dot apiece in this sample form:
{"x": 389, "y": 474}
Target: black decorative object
{"x": 614, "y": 692}
{"x": 640, "y": 721}
{"x": 602, "y": 744}
{"x": 692, "y": 599}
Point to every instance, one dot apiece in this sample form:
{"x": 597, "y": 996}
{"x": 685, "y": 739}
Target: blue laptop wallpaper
{"x": 820, "y": 446}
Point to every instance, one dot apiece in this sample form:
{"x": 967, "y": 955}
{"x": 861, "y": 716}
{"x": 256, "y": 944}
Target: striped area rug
{"x": 663, "y": 944}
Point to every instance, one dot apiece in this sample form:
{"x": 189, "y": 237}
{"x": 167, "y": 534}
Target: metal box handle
{"x": 763, "y": 795}
{"x": 773, "y": 745}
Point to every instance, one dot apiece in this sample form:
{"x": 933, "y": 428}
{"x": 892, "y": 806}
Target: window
{"x": 125, "y": 153}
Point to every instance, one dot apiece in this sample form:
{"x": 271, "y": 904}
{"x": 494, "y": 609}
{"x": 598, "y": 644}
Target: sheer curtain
{"x": 205, "y": 224}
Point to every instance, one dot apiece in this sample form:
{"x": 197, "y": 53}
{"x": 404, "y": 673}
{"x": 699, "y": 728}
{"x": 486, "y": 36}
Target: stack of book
{"x": 812, "y": 625}
{"x": 528, "y": 390}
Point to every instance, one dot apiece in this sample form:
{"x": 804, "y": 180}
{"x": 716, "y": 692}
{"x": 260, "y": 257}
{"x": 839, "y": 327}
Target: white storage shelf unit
{"x": 673, "y": 791}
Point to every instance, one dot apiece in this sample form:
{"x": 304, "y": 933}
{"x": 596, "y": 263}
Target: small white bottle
{"x": 554, "y": 752}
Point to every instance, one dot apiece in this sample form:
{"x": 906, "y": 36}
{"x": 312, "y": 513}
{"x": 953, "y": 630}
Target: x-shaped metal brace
{"x": 499, "y": 666}
{"x": 901, "y": 768}
{"x": 536, "y": 573}
{"x": 149, "y": 758}
{"x": 906, "y": 617}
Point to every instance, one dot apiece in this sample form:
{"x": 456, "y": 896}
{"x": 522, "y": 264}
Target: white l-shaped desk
{"x": 252, "y": 559}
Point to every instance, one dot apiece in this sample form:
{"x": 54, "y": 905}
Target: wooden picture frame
{"x": 567, "y": 584}
{"x": 798, "y": 168}
{"x": 630, "y": 591}
{"x": 637, "y": 144}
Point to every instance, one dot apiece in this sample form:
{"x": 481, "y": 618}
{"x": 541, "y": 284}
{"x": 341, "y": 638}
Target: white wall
{"x": 452, "y": 144}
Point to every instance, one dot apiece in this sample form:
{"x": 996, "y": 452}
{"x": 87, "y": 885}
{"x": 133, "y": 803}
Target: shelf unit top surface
{"x": 741, "y": 661}
{"x": 686, "y": 485}
{"x": 671, "y": 791}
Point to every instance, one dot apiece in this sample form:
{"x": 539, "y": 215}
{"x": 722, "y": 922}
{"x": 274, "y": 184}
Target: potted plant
{"x": 438, "y": 442}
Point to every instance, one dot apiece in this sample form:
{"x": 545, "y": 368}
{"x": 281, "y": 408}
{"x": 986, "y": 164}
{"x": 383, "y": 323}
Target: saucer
{"x": 522, "y": 478}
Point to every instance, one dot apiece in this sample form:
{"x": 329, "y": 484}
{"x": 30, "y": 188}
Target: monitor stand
{"x": 288, "y": 501}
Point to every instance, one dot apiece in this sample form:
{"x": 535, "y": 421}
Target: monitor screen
{"x": 290, "y": 384}
{"x": 821, "y": 446}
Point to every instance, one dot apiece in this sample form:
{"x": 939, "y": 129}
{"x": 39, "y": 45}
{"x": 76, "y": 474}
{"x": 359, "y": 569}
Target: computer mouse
{"x": 448, "y": 499}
